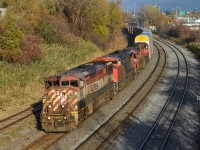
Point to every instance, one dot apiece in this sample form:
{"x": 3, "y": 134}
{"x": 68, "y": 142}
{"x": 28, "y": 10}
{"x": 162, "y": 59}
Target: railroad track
{"x": 158, "y": 135}
{"x": 45, "y": 141}
{"x": 20, "y": 116}
{"x": 107, "y": 130}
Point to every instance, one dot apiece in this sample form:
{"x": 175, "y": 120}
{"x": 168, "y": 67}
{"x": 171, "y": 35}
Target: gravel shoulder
{"x": 186, "y": 132}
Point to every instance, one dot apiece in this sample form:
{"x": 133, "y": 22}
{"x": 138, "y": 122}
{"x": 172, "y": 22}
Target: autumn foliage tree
{"x": 96, "y": 20}
{"x": 153, "y": 17}
{"x": 55, "y": 21}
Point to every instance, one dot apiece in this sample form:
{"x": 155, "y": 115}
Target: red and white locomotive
{"x": 75, "y": 94}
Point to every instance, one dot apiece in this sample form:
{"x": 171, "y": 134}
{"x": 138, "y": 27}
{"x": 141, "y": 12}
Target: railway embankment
{"x": 38, "y": 38}
{"x": 34, "y": 75}
{"x": 22, "y": 85}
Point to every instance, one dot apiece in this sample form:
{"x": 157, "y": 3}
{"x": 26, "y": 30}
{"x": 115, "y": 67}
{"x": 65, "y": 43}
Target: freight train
{"x": 73, "y": 95}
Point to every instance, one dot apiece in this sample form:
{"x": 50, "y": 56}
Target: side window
{"x": 74, "y": 83}
{"x": 134, "y": 56}
{"x": 48, "y": 84}
{"x": 56, "y": 83}
{"x": 65, "y": 83}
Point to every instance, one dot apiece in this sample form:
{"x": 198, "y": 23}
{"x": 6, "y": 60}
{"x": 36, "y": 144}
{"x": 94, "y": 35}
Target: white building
{"x": 193, "y": 24}
{"x": 3, "y": 11}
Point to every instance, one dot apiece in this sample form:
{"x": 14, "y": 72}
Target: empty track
{"x": 160, "y": 131}
{"x": 20, "y": 116}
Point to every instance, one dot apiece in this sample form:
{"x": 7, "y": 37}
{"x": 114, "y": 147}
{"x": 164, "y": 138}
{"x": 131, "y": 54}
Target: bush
{"x": 52, "y": 28}
{"x": 174, "y": 32}
{"x": 195, "y": 46}
{"x": 47, "y": 31}
{"x": 8, "y": 56}
{"x": 30, "y": 49}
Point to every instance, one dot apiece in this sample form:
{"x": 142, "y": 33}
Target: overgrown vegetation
{"x": 195, "y": 47}
{"x": 184, "y": 35}
{"x": 23, "y": 84}
{"x": 54, "y": 21}
{"x": 40, "y": 38}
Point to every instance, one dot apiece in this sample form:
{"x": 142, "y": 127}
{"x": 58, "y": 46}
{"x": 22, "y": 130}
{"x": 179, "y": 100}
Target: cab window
{"x": 48, "y": 84}
{"x": 74, "y": 83}
{"x": 114, "y": 62}
{"x": 65, "y": 83}
{"x": 56, "y": 83}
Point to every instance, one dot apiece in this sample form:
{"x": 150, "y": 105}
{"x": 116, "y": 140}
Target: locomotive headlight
{"x": 49, "y": 106}
{"x": 65, "y": 117}
{"x": 49, "y": 118}
{"x": 63, "y": 106}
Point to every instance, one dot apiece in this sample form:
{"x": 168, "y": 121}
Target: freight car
{"x": 75, "y": 94}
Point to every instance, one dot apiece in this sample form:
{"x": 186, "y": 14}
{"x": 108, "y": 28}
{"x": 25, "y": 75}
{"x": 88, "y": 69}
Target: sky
{"x": 131, "y": 5}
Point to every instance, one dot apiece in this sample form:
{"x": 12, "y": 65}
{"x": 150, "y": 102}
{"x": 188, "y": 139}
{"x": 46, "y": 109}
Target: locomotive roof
{"x": 119, "y": 54}
{"x": 136, "y": 48}
{"x": 83, "y": 70}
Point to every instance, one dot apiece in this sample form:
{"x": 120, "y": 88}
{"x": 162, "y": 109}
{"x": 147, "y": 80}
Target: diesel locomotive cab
{"x": 60, "y": 110}
{"x": 145, "y": 50}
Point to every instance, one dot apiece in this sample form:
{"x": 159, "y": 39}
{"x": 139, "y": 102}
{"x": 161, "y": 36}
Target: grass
{"x": 16, "y": 133}
{"x": 194, "y": 46}
{"x": 22, "y": 85}
{"x": 4, "y": 141}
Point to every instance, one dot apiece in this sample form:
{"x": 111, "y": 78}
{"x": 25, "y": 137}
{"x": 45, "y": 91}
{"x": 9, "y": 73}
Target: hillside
{"x": 39, "y": 38}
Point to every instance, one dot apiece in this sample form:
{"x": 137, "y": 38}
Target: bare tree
{"x": 75, "y": 10}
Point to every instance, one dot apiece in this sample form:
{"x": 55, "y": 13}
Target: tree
{"x": 99, "y": 18}
{"x": 115, "y": 19}
{"x": 152, "y": 16}
{"x": 11, "y": 37}
{"x": 75, "y": 10}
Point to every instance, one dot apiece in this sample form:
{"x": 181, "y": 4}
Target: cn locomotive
{"x": 73, "y": 95}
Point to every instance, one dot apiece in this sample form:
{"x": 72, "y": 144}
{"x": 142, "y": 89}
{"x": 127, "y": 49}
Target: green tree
{"x": 99, "y": 18}
{"x": 11, "y": 37}
{"x": 115, "y": 18}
